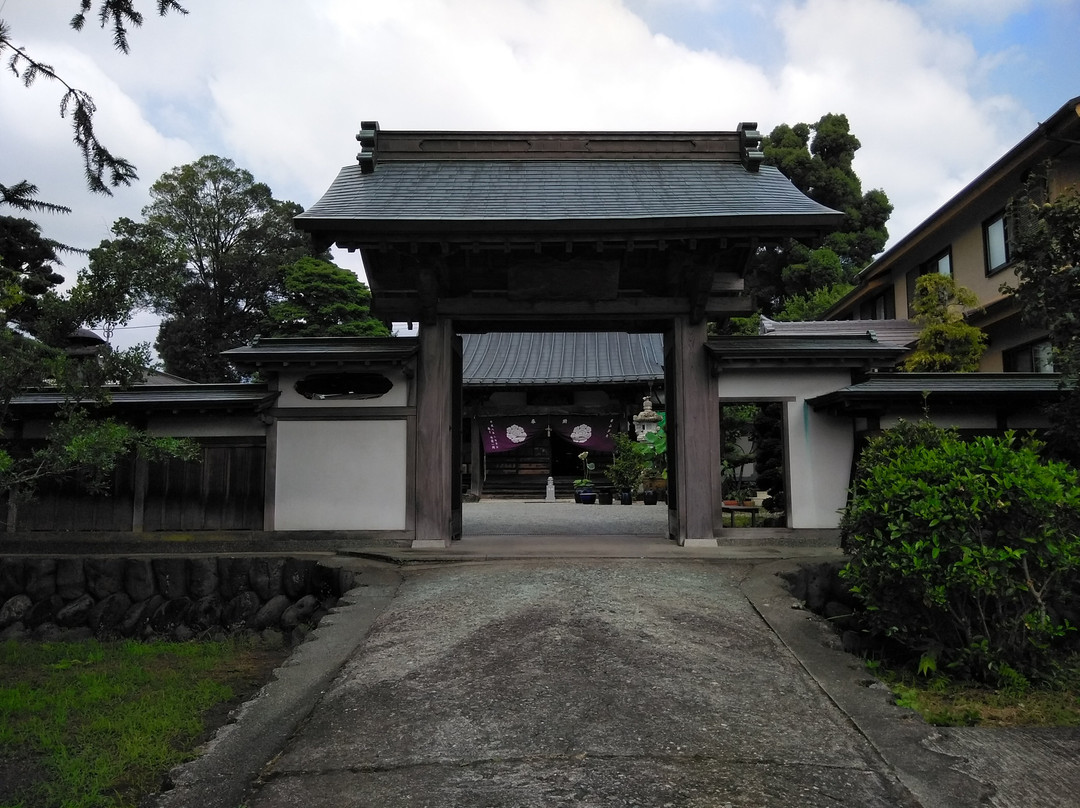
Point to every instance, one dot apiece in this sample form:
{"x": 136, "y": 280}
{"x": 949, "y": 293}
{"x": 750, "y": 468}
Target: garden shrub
{"x": 965, "y": 552}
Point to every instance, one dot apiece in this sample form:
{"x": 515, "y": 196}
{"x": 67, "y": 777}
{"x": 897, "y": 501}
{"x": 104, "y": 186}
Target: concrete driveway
{"x": 584, "y": 683}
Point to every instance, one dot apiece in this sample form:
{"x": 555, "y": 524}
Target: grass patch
{"x": 97, "y": 725}
{"x": 944, "y": 702}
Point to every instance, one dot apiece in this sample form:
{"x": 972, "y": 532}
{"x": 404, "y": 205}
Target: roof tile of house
{"x": 561, "y": 358}
{"x": 559, "y": 190}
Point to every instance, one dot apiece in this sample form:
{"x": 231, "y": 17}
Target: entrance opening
{"x": 543, "y": 413}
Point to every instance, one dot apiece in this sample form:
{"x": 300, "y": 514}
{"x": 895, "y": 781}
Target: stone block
{"x": 75, "y": 613}
{"x": 104, "y": 576}
{"x": 202, "y": 577}
{"x": 139, "y": 581}
{"x": 266, "y": 577}
{"x": 14, "y": 610}
{"x": 269, "y": 615}
{"x": 171, "y": 577}
{"x": 40, "y": 578}
{"x": 70, "y": 578}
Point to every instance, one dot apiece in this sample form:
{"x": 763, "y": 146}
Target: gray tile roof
{"x": 560, "y": 190}
{"x": 324, "y": 350}
{"x": 561, "y": 358}
{"x": 182, "y": 396}
{"x": 827, "y": 349}
{"x": 989, "y": 390}
{"x": 892, "y": 332}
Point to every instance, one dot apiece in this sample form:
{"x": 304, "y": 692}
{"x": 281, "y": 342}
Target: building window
{"x": 1035, "y": 357}
{"x": 996, "y": 239}
{"x": 940, "y": 263}
{"x": 880, "y": 307}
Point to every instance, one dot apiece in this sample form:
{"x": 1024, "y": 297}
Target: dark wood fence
{"x": 223, "y": 490}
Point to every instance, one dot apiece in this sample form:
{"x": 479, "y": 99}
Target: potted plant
{"x": 583, "y": 490}
{"x": 626, "y": 469}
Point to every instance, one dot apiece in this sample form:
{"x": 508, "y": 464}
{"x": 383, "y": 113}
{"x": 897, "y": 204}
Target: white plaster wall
{"x": 397, "y": 396}
{"x": 340, "y": 475}
{"x": 818, "y": 447}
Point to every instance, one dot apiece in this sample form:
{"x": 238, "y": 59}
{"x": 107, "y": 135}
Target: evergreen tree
{"x": 818, "y": 159}
{"x": 322, "y": 300}
{"x": 207, "y": 257}
{"x": 1046, "y": 248}
{"x": 947, "y": 344}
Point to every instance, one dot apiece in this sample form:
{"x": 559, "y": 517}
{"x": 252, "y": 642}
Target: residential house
{"x": 969, "y": 239}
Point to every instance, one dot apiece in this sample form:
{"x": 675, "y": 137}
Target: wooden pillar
{"x": 434, "y": 435}
{"x": 693, "y": 437}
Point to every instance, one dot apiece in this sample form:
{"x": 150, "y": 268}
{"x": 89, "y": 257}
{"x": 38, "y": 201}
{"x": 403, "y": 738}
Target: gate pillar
{"x": 434, "y": 473}
{"x": 694, "y": 515}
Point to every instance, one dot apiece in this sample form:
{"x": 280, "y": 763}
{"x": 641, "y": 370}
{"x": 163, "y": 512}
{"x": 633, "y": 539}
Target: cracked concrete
{"x": 599, "y": 680}
{"x": 579, "y": 683}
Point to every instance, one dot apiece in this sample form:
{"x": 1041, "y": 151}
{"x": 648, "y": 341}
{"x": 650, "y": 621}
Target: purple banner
{"x": 508, "y": 434}
{"x": 594, "y": 433}
{"x": 589, "y": 432}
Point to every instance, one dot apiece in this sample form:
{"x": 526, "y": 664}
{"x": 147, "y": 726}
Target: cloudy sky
{"x": 935, "y": 90}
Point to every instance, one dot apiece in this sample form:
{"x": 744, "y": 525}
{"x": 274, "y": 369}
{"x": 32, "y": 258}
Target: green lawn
{"x": 97, "y": 725}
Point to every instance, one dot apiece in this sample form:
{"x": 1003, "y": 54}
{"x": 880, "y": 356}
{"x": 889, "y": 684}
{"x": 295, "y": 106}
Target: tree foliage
{"x": 1046, "y": 248}
{"x": 36, "y": 328}
{"x": 322, "y": 300}
{"x": 103, "y": 170}
{"x": 206, "y": 257}
{"x": 947, "y": 344}
{"x": 967, "y": 553}
{"x": 818, "y": 159}
{"x": 37, "y": 324}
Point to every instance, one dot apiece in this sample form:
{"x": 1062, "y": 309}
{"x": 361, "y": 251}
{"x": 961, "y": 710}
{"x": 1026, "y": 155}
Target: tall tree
{"x": 819, "y": 161}
{"x": 1046, "y": 248}
{"x": 206, "y": 257}
{"x": 323, "y": 300}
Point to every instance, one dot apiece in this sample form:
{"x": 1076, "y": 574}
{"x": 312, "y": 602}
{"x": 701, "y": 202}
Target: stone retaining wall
{"x": 172, "y": 598}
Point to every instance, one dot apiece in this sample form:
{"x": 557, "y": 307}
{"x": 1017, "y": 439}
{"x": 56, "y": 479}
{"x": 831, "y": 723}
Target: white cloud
{"x": 906, "y": 89}
{"x": 280, "y": 86}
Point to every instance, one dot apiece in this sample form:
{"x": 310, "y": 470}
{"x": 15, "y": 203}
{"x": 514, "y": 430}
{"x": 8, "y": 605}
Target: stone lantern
{"x": 647, "y": 421}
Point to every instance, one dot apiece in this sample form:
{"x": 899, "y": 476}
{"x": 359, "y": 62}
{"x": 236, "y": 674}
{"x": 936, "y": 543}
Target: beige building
{"x": 969, "y": 238}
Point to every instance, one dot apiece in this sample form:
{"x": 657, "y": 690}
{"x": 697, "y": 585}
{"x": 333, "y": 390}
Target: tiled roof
{"x": 324, "y": 350}
{"x": 182, "y": 396}
{"x": 892, "y": 332}
{"x": 968, "y": 389}
{"x": 561, "y": 358}
{"x": 560, "y": 190}
{"x": 829, "y": 349}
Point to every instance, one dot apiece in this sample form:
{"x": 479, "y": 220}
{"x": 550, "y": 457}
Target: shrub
{"x": 966, "y": 552}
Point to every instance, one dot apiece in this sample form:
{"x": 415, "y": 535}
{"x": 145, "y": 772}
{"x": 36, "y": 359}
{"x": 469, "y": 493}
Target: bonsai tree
{"x": 627, "y": 466}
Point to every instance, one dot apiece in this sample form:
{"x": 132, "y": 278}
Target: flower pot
{"x": 588, "y": 498}
{"x": 626, "y": 497}
{"x": 604, "y": 497}
{"x": 649, "y": 497}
